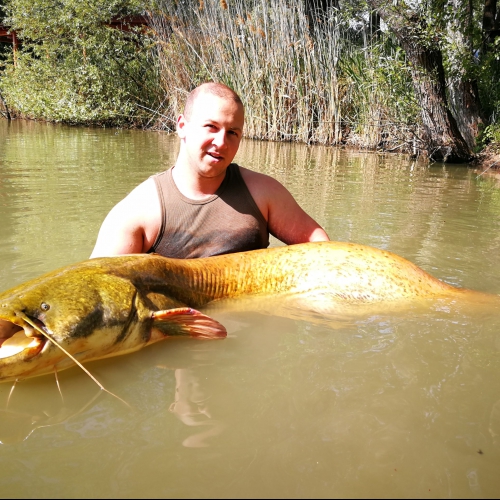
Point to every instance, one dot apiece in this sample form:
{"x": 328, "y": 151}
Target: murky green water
{"x": 390, "y": 405}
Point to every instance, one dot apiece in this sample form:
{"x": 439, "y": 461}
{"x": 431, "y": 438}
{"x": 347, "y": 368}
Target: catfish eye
{"x": 44, "y": 306}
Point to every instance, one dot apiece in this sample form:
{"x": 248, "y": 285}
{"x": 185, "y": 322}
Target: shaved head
{"x": 216, "y": 89}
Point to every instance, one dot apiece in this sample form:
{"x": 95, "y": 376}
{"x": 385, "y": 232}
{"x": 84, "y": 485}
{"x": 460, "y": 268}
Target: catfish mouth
{"x": 20, "y": 341}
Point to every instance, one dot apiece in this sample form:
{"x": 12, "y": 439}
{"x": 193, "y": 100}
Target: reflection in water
{"x": 192, "y": 407}
{"x": 379, "y": 405}
{"x": 23, "y": 413}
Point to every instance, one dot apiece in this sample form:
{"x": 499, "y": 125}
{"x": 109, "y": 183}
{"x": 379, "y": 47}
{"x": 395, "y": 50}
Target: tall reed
{"x": 290, "y": 67}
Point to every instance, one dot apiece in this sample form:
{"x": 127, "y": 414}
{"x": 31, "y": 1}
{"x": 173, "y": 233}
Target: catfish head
{"x": 85, "y": 312}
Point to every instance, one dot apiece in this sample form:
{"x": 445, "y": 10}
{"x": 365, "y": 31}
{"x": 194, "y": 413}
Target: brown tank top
{"x": 227, "y": 222}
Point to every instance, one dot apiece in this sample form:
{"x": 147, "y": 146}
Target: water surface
{"x": 399, "y": 404}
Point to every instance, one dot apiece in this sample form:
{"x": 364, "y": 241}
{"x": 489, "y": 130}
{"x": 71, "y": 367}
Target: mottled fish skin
{"x": 111, "y": 306}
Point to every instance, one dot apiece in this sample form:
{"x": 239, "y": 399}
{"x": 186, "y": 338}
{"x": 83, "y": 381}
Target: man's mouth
{"x": 215, "y": 156}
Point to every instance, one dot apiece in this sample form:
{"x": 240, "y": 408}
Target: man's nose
{"x": 220, "y": 138}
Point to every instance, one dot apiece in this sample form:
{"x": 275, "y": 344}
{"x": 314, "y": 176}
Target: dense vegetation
{"x": 419, "y": 78}
{"x": 73, "y": 67}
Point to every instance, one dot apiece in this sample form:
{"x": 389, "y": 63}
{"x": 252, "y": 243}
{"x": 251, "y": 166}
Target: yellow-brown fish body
{"x": 111, "y": 306}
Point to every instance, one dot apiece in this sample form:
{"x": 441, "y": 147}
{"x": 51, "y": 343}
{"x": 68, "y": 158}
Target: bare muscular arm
{"x": 132, "y": 224}
{"x": 286, "y": 219}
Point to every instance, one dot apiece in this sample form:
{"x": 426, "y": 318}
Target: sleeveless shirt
{"x": 228, "y": 221}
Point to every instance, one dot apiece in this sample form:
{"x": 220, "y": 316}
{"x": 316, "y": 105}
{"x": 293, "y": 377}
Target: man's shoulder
{"x": 141, "y": 201}
{"x": 247, "y": 173}
{"x": 264, "y": 189}
{"x": 257, "y": 180}
{"x": 161, "y": 173}
{"x": 144, "y": 189}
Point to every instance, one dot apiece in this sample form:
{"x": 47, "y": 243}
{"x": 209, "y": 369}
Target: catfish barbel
{"x": 116, "y": 305}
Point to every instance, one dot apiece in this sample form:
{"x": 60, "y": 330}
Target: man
{"x": 205, "y": 205}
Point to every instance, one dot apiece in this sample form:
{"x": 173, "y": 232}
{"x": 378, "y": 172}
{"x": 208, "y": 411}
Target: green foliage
{"x": 490, "y": 136}
{"x": 489, "y": 81}
{"x": 451, "y": 30}
{"x": 382, "y": 104}
{"x": 73, "y": 67}
{"x": 328, "y": 78}
{"x": 459, "y": 29}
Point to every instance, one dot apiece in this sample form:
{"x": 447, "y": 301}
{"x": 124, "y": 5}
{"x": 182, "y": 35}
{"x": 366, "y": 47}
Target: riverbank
{"x": 314, "y": 79}
{"x": 487, "y": 162}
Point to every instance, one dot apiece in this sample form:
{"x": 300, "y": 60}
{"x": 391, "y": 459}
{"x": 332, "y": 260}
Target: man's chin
{"x": 215, "y": 167}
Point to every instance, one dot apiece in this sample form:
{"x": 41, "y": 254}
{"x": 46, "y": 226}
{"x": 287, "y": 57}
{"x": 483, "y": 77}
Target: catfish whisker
{"x": 78, "y": 412}
{"x": 10, "y": 392}
{"x": 58, "y": 385}
{"x": 37, "y": 328}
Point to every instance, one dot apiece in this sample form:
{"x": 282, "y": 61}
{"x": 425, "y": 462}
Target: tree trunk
{"x": 441, "y": 134}
{"x": 7, "y": 112}
{"x": 442, "y": 137}
{"x": 463, "y": 90}
{"x": 464, "y": 100}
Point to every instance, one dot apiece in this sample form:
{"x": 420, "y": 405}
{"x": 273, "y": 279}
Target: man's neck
{"x": 195, "y": 186}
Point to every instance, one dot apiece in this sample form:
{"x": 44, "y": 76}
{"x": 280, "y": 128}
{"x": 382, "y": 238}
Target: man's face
{"x": 212, "y": 134}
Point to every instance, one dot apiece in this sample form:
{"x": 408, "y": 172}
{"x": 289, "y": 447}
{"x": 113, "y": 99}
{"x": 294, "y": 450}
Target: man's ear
{"x": 181, "y": 126}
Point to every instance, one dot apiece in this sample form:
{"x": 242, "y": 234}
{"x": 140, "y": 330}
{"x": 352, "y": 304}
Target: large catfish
{"x": 111, "y": 306}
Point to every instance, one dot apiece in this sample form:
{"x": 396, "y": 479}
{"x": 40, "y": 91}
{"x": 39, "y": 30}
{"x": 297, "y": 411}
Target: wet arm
{"x": 288, "y": 221}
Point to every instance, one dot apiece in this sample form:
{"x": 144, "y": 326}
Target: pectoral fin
{"x": 185, "y": 321}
